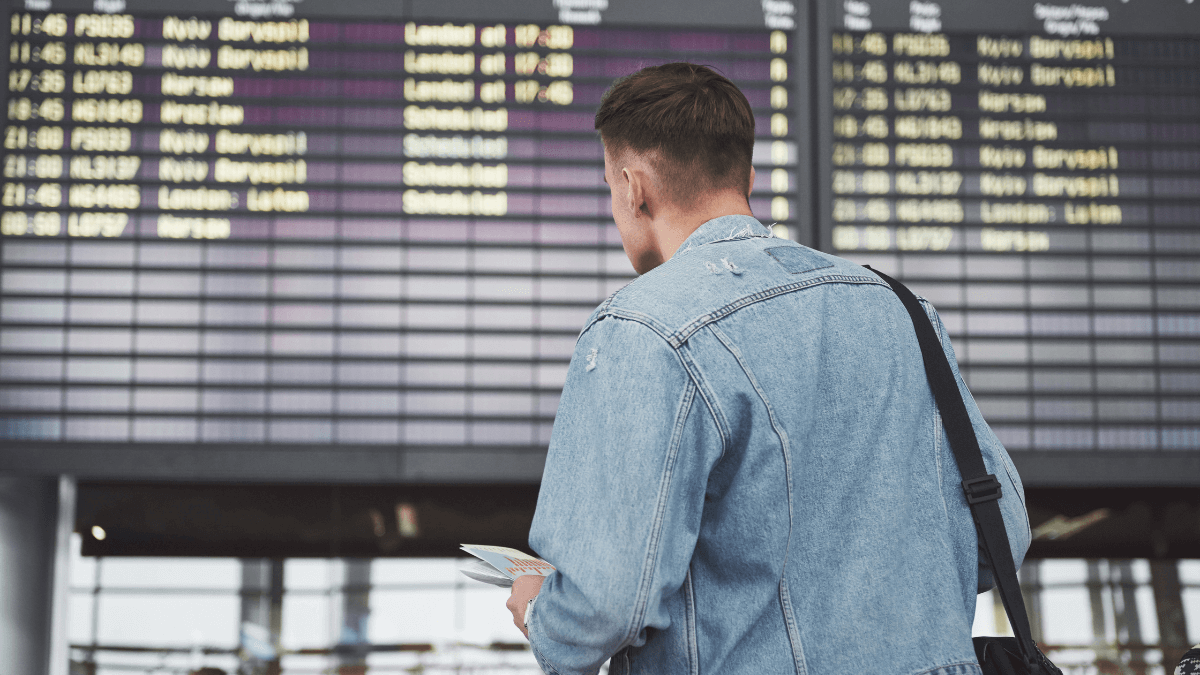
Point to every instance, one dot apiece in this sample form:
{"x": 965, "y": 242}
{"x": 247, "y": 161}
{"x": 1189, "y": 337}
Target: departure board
{"x": 276, "y": 239}
{"x": 1033, "y": 168}
{"x": 371, "y": 228}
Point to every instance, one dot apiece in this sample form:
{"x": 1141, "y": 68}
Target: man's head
{"x": 678, "y": 144}
{"x": 691, "y": 123}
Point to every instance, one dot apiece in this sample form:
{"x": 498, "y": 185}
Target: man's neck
{"x": 676, "y": 225}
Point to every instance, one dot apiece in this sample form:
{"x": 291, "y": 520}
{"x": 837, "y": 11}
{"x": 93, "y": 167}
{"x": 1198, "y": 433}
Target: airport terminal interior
{"x": 289, "y": 289}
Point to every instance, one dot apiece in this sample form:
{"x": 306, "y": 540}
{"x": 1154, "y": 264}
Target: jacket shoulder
{"x": 709, "y": 281}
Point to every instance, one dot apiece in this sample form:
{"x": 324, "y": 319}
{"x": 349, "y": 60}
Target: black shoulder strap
{"x": 982, "y": 490}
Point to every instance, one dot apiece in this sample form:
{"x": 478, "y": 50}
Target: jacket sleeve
{"x": 997, "y": 461}
{"x": 621, "y": 496}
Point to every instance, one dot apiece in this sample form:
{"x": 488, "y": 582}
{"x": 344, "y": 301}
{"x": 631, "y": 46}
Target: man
{"x": 747, "y": 472}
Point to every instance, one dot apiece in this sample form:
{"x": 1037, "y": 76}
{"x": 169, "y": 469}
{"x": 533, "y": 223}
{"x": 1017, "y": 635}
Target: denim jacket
{"x": 748, "y": 474}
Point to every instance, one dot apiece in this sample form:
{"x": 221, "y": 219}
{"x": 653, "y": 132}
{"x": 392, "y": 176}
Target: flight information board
{"x": 358, "y": 238}
{"x": 1033, "y": 168}
{"x": 353, "y": 225}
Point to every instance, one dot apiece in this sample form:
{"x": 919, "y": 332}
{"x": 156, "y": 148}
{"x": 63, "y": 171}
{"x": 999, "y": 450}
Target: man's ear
{"x": 750, "y": 187}
{"x": 638, "y": 191}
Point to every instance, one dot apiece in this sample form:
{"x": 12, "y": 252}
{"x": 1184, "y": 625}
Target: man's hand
{"x": 524, "y": 589}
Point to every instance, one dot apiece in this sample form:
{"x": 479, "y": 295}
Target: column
{"x": 1031, "y": 589}
{"x": 36, "y": 519}
{"x": 262, "y": 616}
{"x": 1128, "y": 624}
{"x": 353, "y": 643}
{"x": 1168, "y": 605}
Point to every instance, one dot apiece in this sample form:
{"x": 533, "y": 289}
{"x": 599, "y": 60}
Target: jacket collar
{"x": 725, "y": 228}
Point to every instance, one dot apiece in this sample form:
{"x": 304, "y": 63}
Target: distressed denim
{"x": 748, "y": 474}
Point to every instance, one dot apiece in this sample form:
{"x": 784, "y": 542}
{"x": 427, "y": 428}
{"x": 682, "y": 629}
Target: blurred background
{"x": 288, "y": 292}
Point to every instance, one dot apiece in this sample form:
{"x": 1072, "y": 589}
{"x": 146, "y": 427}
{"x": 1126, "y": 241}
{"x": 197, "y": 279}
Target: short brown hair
{"x": 698, "y": 123}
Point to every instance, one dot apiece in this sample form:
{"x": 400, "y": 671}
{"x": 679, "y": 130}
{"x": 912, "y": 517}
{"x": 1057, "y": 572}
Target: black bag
{"x": 997, "y": 655}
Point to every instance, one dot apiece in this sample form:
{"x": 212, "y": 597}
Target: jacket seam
{"x": 785, "y": 450}
{"x": 648, "y": 571}
{"x": 1024, "y": 507}
{"x": 542, "y": 661}
{"x": 678, "y": 337}
{"x": 693, "y": 640}
{"x": 689, "y": 365}
{"x": 632, "y": 315}
{"x": 940, "y": 328}
{"x": 948, "y": 665}
{"x": 785, "y": 601}
{"x": 709, "y": 397}
{"x": 937, "y": 459}
{"x": 684, "y": 333}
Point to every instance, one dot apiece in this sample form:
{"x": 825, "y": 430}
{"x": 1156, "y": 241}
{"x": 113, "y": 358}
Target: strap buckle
{"x": 983, "y": 489}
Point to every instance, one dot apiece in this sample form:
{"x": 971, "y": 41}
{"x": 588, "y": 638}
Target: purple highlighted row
{"x": 676, "y": 41}
{"x": 748, "y": 69}
{"x": 393, "y": 174}
{"x": 393, "y": 33}
{"x": 738, "y": 68}
{"x": 392, "y": 145}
